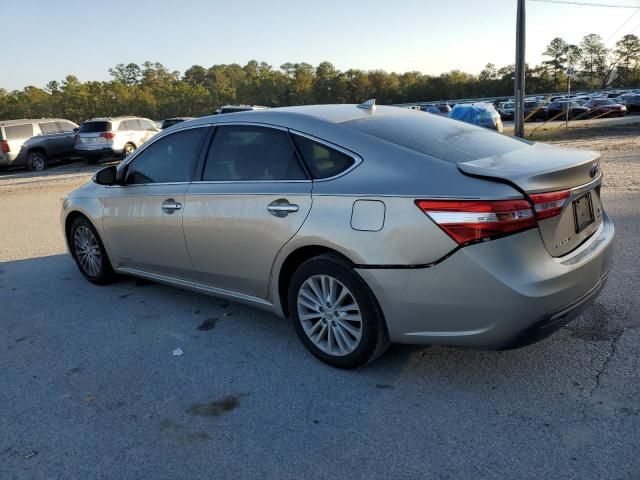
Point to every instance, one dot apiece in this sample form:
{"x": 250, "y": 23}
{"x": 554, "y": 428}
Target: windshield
{"x": 509, "y": 105}
{"x": 436, "y": 136}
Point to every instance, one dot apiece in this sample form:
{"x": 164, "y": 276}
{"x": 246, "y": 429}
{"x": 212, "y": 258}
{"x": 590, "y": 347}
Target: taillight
{"x": 4, "y": 145}
{"x": 471, "y": 221}
{"x": 107, "y": 135}
{"x": 547, "y": 205}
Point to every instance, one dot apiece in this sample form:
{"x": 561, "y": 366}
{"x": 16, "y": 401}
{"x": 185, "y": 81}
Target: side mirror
{"x": 106, "y": 176}
{"x": 76, "y": 130}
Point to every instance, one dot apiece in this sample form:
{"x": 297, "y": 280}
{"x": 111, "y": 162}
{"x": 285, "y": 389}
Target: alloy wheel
{"x": 330, "y": 315}
{"x": 87, "y": 251}
{"x": 37, "y": 162}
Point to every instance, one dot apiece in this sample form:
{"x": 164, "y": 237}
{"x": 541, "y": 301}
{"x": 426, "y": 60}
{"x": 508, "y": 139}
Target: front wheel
{"x": 335, "y": 314}
{"x": 36, "y": 161}
{"x": 89, "y": 252}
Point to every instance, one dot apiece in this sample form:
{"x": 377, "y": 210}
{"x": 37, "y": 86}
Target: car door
{"x": 148, "y": 129}
{"x": 67, "y": 137}
{"x": 51, "y": 139}
{"x": 252, "y": 197}
{"x": 142, "y": 218}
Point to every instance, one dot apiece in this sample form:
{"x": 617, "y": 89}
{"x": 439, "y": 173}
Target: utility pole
{"x": 519, "y": 76}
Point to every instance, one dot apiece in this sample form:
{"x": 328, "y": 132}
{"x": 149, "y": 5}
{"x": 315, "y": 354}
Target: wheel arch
{"x": 293, "y": 260}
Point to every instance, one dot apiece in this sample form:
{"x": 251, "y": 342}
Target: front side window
{"x": 147, "y": 125}
{"x": 323, "y": 161}
{"x": 49, "y": 127}
{"x": 66, "y": 126}
{"x": 248, "y": 153}
{"x": 168, "y": 160}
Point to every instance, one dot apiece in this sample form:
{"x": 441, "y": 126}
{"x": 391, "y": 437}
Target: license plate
{"x": 583, "y": 212}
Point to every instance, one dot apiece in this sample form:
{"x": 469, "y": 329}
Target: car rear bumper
{"x": 495, "y": 295}
{"x": 101, "y": 152}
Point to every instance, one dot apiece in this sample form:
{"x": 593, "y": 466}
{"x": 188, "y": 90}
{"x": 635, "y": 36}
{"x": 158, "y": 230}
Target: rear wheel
{"x": 89, "y": 252}
{"x": 36, "y": 161}
{"x": 335, "y": 314}
{"x": 128, "y": 149}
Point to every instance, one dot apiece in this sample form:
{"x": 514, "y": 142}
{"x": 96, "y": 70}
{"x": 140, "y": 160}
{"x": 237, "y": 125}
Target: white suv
{"x": 112, "y": 137}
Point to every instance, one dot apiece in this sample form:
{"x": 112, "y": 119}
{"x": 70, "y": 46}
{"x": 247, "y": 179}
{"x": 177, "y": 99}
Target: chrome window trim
{"x": 357, "y": 159}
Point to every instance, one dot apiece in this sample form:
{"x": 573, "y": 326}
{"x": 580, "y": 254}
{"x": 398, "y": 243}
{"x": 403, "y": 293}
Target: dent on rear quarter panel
{"x": 408, "y": 237}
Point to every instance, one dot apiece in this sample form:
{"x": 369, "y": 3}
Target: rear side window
{"x": 170, "y": 159}
{"x": 437, "y": 137}
{"x": 247, "y": 153}
{"x": 49, "y": 127}
{"x": 15, "y": 132}
{"x": 95, "y": 127}
{"x": 323, "y": 161}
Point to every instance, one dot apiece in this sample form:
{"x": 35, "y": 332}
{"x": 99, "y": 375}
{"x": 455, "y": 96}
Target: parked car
{"x": 239, "y": 108}
{"x": 633, "y": 103}
{"x": 507, "y": 110}
{"x": 431, "y": 109}
{"x": 534, "y": 110}
{"x": 481, "y": 114}
{"x": 605, "y": 107}
{"x": 170, "y": 122}
{"x": 384, "y": 225}
{"x": 558, "y": 110}
{"x": 35, "y": 143}
{"x": 112, "y": 137}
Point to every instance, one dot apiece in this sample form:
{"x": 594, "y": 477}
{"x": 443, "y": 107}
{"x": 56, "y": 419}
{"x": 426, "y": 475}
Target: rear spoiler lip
{"x": 531, "y": 169}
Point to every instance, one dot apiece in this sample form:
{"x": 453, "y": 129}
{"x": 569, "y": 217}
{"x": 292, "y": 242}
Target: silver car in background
{"x": 112, "y": 137}
{"x": 363, "y": 225}
{"x": 33, "y": 143}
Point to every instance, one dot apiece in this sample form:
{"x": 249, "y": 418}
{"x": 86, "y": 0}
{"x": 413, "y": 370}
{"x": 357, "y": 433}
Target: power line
{"x": 585, "y": 4}
{"x": 621, "y": 26}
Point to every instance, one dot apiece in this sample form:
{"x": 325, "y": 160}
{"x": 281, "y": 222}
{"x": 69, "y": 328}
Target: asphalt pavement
{"x": 90, "y": 387}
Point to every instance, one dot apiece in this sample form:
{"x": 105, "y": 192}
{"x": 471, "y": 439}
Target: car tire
{"x": 89, "y": 252}
{"x": 128, "y": 149}
{"x": 36, "y": 161}
{"x": 348, "y": 330}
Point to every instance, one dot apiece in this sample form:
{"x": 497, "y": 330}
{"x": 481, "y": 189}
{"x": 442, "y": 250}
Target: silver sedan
{"x": 363, "y": 225}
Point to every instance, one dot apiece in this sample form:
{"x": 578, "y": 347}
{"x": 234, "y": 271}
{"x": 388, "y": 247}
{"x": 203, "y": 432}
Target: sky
{"x": 47, "y": 40}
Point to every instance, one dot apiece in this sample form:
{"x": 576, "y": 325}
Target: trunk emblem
{"x": 594, "y": 170}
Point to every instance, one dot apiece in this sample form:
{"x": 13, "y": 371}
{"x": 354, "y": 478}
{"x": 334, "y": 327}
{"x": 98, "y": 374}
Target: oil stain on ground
{"x": 216, "y": 408}
{"x": 178, "y": 433}
{"x": 208, "y": 324}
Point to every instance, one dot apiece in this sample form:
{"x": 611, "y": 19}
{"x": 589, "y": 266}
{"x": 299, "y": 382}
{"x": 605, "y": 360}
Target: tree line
{"x": 152, "y": 90}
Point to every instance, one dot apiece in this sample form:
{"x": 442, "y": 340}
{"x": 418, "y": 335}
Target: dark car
{"x": 605, "y": 107}
{"x": 170, "y": 122}
{"x": 35, "y": 143}
{"x": 558, "y": 110}
{"x": 633, "y": 104}
{"x": 534, "y": 110}
{"x": 481, "y": 114}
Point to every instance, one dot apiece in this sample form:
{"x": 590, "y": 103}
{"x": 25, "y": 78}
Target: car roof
{"x": 8, "y": 123}
{"x": 290, "y": 116}
{"x": 111, "y": 119}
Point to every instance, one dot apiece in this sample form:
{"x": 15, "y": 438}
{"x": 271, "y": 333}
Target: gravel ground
{"x": 90, "y": 388}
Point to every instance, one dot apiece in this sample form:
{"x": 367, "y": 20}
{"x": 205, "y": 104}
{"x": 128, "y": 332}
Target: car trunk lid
{"x": 540, "y": 169}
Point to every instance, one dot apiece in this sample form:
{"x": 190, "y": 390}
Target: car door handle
{"x": 170, "y": 205}
{"x": 282, "y": 208}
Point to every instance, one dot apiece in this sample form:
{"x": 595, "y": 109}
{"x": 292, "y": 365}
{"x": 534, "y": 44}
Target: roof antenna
{"x": 369, "y": 104}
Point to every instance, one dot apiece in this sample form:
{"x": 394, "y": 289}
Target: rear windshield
{"x": 95, "y": 127}
{"x": 233, "y": 110}
{"x": 438, "y": 137}
{"x": 15, "y": 132}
